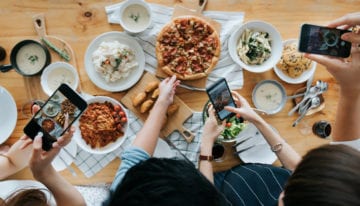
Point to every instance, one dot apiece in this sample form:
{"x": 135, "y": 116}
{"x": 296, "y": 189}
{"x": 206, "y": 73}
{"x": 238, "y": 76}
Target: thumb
{"x": 37, "y": 147}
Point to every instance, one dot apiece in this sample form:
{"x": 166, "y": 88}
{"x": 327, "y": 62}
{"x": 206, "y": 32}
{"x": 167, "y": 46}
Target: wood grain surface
{"x": 79, "y": 22}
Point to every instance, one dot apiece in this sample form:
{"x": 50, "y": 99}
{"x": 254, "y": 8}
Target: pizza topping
{"x": 188, "y": 46}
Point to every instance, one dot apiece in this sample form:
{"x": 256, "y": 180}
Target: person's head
{"x": 328, "y": 175}
{"x": 26, "y": 197}
{"x": 165, "y": 182}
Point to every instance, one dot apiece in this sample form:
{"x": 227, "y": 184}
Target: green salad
{"x": 234, "y": 125}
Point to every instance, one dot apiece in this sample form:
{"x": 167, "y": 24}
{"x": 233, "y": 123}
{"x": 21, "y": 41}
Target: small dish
{"x": 135, "y": 16}
{"x": 8, "y": 114}
{"x": 270, "y": 96}
{"x": 305, "y": 75}
{"x": 276, "y": 45}
{"x": 56, "y": 74}
{"x": 109, "y": 147}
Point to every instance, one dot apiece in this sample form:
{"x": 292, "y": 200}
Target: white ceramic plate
{"x": 66, "y": 157}
{"x": 300, "y": 79}
{"x": 8, "y": 114}
{"x": 121, "y": 84}
{"x": 276, "y": 45}
{"x": 163, "y": 150}
{"x": 110, "y": 147}
{"x": 260, "y": 153}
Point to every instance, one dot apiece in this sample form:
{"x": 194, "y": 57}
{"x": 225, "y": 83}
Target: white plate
{"x": 261, "y": 153}
{"x": 121, "y": 84}
{"x": 163, "y": 150}
{"x": 111, "y": 146}
{"x": 300, "y": 79}
{"x": 276, "y": 45}
{"x": 59, "y": 163}
{"x": 8, "y": 114}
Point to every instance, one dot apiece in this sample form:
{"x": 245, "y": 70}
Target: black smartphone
{"x": 323, "y": 40}
{"x": 220, "y": 96}
{"x": 50, "y": 119}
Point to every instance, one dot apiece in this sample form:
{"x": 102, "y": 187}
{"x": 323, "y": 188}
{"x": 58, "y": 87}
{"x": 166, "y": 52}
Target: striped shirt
{"x": 252, "y": 184}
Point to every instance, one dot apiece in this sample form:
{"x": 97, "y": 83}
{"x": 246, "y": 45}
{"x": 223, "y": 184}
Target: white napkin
{"x": 226, "y": 67}
{"x": 260, "y": 151}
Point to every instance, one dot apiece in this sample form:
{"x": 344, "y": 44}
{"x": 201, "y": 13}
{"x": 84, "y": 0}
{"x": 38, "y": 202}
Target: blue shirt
{"x": 130, "y": 157}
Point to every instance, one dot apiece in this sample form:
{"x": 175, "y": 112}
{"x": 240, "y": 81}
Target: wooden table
{"x": 79, "y": 22}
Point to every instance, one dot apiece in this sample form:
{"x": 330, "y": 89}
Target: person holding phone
{"x": 142, "y": 180}
{"x": 29, "y": 192}
{"x": 327, "y": 175}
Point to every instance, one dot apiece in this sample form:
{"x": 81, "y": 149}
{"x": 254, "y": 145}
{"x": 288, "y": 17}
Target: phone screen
{"x": 50, "y": 119}
{"x": 220, "y": 96}
{"x": 323, "y": 40}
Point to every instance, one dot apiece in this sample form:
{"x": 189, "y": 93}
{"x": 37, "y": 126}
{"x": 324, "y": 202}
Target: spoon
{"x": 315, "y": 102}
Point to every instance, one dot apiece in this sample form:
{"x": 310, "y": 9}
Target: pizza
{"x": 188, "y": 47}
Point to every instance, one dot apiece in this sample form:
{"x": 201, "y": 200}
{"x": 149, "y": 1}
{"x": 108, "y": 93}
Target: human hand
{"x": 40, "y": 161}
{"x": 212, "y": 129}
{"x": 243, "y": 108}
{"x": 345, "y": 71}
{"x": 26, "y": 141}
{"x": 167, "y": 89}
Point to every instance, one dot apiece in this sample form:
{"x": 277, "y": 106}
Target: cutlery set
{"x": 310, "y": 100}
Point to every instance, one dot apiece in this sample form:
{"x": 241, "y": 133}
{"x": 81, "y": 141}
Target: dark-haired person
{"x": 142, "y": 180}
{"x": 328, "y": 175}
{"x": 51, "y": 188}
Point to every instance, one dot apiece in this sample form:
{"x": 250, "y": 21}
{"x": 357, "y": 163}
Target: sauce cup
{"x": 135, "y": 16}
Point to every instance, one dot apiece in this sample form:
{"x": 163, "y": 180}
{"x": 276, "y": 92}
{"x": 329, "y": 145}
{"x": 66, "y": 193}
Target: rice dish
{"x": 114, "y": 61}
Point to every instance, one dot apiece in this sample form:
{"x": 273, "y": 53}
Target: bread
{"x": 139, "y": 98}
{"x": 172, "y": 109}
{"x": 155, "y": 93}
{"x": 146, "y": 106}
{"x": 151, "y": 86}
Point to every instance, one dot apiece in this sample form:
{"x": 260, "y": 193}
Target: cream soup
{"x": 268, "y": 97}
{"x": 30, "y": 58}
{"x": 60, "y": 75}
{"x": 136, "y": 17}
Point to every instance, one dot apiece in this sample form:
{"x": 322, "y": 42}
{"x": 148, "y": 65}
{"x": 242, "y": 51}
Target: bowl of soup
{"x": 57, "y": 73}
{"x": 269, "y": 96}
{"x": 135, "y": 16}
{"x": 28, "y": 57}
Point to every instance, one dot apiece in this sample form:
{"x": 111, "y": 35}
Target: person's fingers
{"x": 327, "y": 61}
{"x": 25, "y": 143}
{"x": 24, "y": 137}
{"x": 351, "y": 19}
{"x": 37, "y": 148}
{"x": 35, "y": 108}
{"x": 351, "y": 37}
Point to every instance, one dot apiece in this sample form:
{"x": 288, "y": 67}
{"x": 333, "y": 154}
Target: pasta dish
{"x": 254, "y": 47}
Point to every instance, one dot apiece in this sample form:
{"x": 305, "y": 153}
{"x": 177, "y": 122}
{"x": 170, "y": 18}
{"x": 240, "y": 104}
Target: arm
{"x": 348, "y": 76}
{"x": 147, "y": 137}
{"x": 43, "y": 171}
{"x": 18, "y": 155}
{"x": 210, "y": 132}
{"x": 16, "y": 158}
{"x": 287, "y": 155}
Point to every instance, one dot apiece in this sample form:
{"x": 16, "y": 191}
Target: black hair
{"x": 165, "y": 182}
{"x": 328, "y": 175}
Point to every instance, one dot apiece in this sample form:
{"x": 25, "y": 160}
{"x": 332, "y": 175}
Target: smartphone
{"x": 323, "y": 40}
{"x": 50, "y": 119}
{"x": 220, "y": 96}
